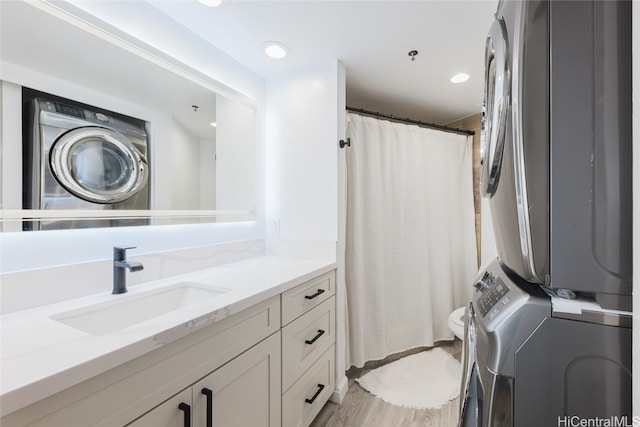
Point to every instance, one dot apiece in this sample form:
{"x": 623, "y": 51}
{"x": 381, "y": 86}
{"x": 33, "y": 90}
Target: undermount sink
{"x": 123, "y": 311}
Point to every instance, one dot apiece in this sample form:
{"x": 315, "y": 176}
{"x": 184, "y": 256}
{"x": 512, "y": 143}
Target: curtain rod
{"x": 411, "y": 121}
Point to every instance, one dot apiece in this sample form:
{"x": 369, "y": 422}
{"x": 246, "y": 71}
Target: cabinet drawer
{"x": 307, "y": 396}
{"x": 302, "y": 298}
{"x": 305, "y": 339}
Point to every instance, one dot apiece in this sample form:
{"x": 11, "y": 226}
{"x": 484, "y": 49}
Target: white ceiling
{"x": 371, "y": 38}
{"x": 120, "y": 74}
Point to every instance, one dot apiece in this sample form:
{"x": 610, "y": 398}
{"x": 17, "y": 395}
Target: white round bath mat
{"x": 425, "y": 380}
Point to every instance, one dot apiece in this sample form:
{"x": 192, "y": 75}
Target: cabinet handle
{"x": 314, "y": 339}
{"x": 315, "y": 396}
{"x": 209, "y": 395}
{"x": 187, "y": 413}
{"x": 318, "y": 292}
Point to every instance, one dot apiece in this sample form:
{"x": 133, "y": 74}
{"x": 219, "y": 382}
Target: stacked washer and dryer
{"x": 548, "y": 336}
{"x": 80, "y": 157}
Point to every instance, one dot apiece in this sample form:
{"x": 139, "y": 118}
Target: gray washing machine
{"x": 79, "y": 157}
{"x": 534, "y": 359}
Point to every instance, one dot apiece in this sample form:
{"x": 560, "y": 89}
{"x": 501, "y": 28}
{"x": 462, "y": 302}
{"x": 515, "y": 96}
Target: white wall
{"x": 636, "y": 207}
{"x": 11, "y": 195}
{"x": 184, "y": 152}
{"x": 341, "y": 289}
{"x": 301, "y": 153}
{"x": 237, "y": 155}
{"x": 305, "y": 119}
{"x": 208, "y": 174}
{"x": 488, "y": 249}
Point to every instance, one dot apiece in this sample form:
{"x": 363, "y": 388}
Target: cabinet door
{"x": 245, "y": 392}
{"x": 172, "y": 413}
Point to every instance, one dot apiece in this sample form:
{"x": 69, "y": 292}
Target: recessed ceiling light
{"x": 211, "y": 3}
{"x": 459, "y": 78}
{"x": 275, "y": 50}
{"x": 214, "y": 124}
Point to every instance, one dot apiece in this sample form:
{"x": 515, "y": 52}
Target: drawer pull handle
{"x": 314, "y": 339}
{"x": 187, "y": 413}
{"x": 207, "y": 392}
{"x": 318, "y": 292}
{"x": 315, "y": 396}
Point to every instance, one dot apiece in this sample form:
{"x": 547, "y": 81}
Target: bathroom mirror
{"x": 202, "y": 150}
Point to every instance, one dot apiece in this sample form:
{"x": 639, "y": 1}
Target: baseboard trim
{"x": 341, "y": 390}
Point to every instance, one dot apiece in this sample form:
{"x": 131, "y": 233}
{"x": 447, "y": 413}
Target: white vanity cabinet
{"x": 150, "y": 382}
{"x": 240, "y": 393}
{"x": 308, "y": 349}
{"x": 269, "y": 365}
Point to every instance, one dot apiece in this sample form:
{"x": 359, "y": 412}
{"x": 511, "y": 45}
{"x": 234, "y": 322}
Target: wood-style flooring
{"x": 359, "y": 408}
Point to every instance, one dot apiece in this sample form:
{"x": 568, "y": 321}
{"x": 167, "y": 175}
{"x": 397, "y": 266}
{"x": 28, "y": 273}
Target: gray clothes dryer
{"x": 556, "y": 144}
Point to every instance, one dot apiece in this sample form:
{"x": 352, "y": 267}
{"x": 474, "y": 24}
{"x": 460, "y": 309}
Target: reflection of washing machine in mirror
{"x": 98, "y": 165}
{"x": 82, "y": 158}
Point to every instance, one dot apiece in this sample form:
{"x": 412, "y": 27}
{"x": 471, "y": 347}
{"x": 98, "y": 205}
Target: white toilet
{"x": 456, "y": 322}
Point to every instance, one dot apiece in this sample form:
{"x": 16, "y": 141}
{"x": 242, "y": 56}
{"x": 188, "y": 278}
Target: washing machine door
{"x": 471, "y": 394}
{"x": 495, "y": 108}
{"x": 98, "y": 165}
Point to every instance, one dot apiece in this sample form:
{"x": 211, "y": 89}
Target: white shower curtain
{"x": 411, "y": 247}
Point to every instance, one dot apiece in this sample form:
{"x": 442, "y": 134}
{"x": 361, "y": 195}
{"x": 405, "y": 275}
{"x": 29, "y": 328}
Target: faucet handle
{"x": 120, "y": 252}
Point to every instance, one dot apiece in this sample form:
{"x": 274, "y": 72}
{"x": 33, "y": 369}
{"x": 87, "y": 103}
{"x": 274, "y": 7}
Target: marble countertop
{"x": 42, "y": 356}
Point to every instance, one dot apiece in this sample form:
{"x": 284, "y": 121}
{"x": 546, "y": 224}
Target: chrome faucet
{"x": 120, "y": 264}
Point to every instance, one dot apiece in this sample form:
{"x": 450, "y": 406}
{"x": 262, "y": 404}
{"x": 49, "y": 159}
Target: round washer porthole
{"x": 98, "y": 165}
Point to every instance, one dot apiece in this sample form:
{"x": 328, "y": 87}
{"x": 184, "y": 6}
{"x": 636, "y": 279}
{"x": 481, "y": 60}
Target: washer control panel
{"x": 492, "y": 290}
